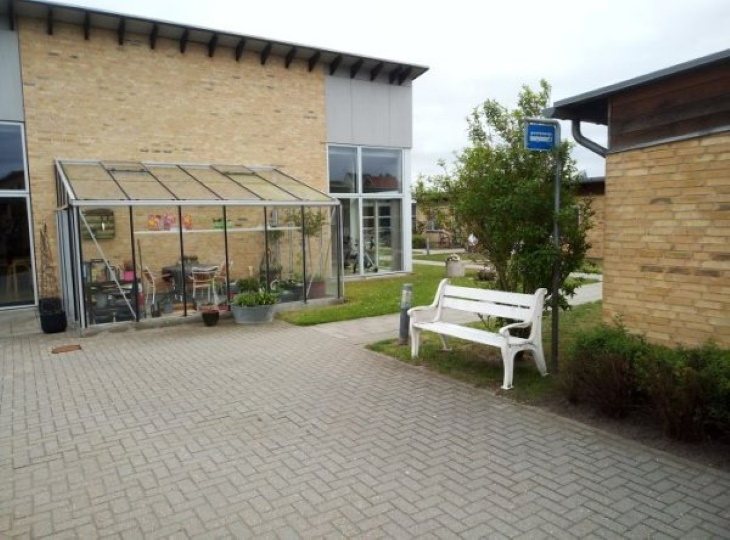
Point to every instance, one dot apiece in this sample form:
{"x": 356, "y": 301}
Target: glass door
{"x": 350, "y": 235}
{"x": 17, "y": 287}
{"x": 16, "y": 273}
{"x": 382, "y": 235}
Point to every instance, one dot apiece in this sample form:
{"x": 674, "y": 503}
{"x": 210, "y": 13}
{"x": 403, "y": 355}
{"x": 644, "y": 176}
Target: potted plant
{"x": 316, "y": 287}
{"x": 292, "y": 289}
{"x": 251, "y": 307}
{"x": 454, "y": 266}
{"x": 210, "y": 314}
{"x": 50, "y": 306}
{"x": 249, "y": 284}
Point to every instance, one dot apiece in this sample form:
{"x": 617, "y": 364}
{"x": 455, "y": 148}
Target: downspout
{"x": 593, "y": 146}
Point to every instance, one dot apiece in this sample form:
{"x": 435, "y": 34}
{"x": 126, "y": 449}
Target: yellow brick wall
{"x": 667, "y": 241}
{"x": 597, "y": 233}
{"x": 96, "y": 99}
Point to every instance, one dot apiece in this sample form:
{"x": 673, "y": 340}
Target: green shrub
{"x": 601, "y": 370}
{"x": 418, "y": 241}
{"x": 690, "y": 390}
{"x": 591, "y": 266}
{"x": 255, "y": 298}
{"x": 248, "y": 284}
{"x": 717, "y": 372}
{"x": 615, "y": 371}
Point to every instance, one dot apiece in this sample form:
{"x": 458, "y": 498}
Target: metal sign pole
{"x": 556, "y": 265}
{"x": 543, "y": 135}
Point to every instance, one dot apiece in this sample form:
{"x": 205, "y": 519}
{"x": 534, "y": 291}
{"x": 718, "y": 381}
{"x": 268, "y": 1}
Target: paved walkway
{"x": 286, "y": 432}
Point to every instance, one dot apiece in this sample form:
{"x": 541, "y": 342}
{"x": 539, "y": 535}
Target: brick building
{"x": 114, "y": 119}
{"x": 667, "y": 202}
{"x": 593, "y": 188}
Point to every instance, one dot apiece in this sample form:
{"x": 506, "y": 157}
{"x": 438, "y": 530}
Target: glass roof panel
{"x": 228, "y": 169}
{"x": 293, "y": 186}
{"x": 262, "y": 188}
{"x": 141, "y": 185}
{"x": 181, "y": 183}
{"x": 91, "y": 182}
{"x": 126, "y": 182}
{"x": 127, "y": 166}
{"x": 220, "y": 184}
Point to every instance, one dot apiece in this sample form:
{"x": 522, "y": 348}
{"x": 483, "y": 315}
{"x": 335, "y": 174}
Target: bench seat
{"x": 525, "y": 309}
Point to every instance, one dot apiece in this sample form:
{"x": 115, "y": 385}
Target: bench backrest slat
{"x": 489, "y": 295}
{"x": 486, "y": 308}
{"x": 508, "y": 305}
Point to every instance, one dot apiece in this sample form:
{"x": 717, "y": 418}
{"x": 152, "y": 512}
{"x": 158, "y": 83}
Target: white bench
{"x": 524, "y": 308}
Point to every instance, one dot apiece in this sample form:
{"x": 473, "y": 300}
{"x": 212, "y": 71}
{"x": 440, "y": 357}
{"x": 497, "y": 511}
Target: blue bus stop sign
{"x": 541, "y": 137}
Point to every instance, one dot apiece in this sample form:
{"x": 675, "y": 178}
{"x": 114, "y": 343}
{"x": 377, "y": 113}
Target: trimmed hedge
{"x": 690, "y": 390}
{"x": 602, "y": 370}
{"x": 615, "y": 372}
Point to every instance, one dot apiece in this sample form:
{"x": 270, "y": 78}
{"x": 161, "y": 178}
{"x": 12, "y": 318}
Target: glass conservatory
{"x": 142, "y": 240}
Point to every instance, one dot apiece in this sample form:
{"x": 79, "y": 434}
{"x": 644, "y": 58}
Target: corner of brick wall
{"x": 667, "y": 241}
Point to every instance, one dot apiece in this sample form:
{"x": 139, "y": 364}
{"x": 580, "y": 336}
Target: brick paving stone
{"x": 286, "y": 432}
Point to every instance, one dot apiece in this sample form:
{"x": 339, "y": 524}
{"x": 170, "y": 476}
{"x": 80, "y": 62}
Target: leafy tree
{"x": 503, "y": 193}
{"x": 432, "y": 203}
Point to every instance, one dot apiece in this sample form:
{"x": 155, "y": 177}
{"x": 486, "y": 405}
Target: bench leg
{"x": 539, "y": 357}
{"x": 415, "y": 341}
{"x": 444, "y": 343}
{"x": 508, "y": 359}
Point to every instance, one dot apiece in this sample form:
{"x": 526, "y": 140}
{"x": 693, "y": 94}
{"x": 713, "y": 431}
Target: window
{"x": 343, "y": 169}
{"x": 12, "y": 170}
{"x": 369, "y": 185}
{"x": 381, "y": 170}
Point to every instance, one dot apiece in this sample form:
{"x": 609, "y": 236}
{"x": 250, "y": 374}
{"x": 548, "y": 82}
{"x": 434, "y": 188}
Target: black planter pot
{"x": 52, "y": 315}
{"x": 52, "y": 323}
{"x": 210, "y": 318}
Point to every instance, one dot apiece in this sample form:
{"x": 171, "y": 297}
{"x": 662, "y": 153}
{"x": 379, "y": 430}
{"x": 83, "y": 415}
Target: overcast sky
{"x": 476, "y": 50}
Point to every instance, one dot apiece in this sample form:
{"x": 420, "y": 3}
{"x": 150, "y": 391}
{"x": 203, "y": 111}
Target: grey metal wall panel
{"x": 401, "y": 116}
{"x": 369, "y": 113}
{"x": 339, "y": 109}
{"x": 11, "y": 90}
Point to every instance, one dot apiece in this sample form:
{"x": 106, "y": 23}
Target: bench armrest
{"x": 504, "y": 331}
{"x": 422, "y": 313}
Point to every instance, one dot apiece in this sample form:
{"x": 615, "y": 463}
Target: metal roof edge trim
{"x": 641, "y": 80}
{"x": 191, "y": 202}
{"x": 419, "y": 68}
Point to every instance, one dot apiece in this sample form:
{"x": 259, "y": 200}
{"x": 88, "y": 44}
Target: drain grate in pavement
{"x": 65, "y": 348}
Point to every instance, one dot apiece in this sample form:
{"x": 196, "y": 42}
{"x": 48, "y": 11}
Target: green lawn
{"x": 380, "y": 296}
{"x": 377, "y": 296}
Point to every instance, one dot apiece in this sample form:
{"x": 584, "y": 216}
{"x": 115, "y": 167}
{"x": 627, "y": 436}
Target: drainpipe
{"x": 593, "y": 146}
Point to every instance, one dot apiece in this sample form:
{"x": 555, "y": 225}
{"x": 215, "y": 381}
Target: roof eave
{"x": 592, "y": 106}
{"x": 391, "y": 70}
